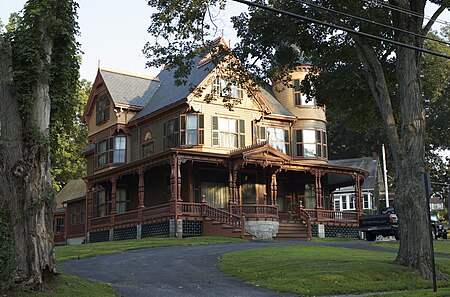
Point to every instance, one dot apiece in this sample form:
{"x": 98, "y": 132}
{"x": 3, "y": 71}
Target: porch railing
{"x": 331, "y": 215}
{"x": 255, "y": 210}
{"x": 222, "y": 216}
{"x": 156, "y": 212}
{"x": 126, "y": 217}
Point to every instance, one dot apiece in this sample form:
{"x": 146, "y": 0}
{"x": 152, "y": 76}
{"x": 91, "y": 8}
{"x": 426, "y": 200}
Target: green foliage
{"x": 6, "y": 249}
{"x": 69, "y": 138}
{"x": 45, "y": 23}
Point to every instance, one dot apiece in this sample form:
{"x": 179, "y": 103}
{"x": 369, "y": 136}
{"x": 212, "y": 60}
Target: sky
{"x": 114, "y": 32}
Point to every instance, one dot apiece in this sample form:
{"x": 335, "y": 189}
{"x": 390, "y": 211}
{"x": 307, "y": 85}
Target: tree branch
{"x": 430, "y": 23}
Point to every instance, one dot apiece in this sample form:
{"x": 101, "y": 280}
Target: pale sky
{"x": 115, "y": 31}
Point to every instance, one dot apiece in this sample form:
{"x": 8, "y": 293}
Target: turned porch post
{"x": 359, "y": 207}
{"x": 274, "y": 189}
{"x": 318, "y": 190}
{"x": 113, "y": 194}
{"x": 141, "y": 188}
{"x": 89, "y": 207}
{"x": 178, "y": 164}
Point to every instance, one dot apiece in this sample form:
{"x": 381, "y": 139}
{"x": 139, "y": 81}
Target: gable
{"x": 263, "y": 154}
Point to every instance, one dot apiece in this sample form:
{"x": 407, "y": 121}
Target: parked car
{"x": 385, "y": 224}
{"x": 437, "y": 228}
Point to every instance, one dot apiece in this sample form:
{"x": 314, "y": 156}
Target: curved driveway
{"x": 181, "y": 271}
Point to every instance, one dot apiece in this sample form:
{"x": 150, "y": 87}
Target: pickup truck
{"x": 385, "y": 224}
{"x": 437, "y": 229}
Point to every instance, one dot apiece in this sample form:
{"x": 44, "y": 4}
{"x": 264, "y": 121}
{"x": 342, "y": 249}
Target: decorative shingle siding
{"x": 134, "y": 145}
{"x": 125, "y": 233}
{"x": 156, "y": 229}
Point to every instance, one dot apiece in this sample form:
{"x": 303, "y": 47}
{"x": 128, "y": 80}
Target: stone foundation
{"x": 262, "y": 229}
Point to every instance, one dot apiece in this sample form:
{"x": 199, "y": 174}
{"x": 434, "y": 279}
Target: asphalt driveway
{"x": 180, "y": 271}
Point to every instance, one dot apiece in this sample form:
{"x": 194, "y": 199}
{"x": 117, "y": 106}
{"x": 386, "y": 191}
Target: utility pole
{"x": 386, "y": 190}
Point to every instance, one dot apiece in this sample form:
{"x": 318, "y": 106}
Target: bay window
{"x": 311, "y": 143}
{"x": 300, "y": 99}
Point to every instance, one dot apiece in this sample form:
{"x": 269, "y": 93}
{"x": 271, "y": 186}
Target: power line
{"x": 345, "y": 29}
{"x": 372, "y": 22}
{"x": 407, "y": 11}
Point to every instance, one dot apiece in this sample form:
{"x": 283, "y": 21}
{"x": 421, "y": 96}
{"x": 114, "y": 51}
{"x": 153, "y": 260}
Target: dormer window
{"x": 300, "y": 99}
{"x": 278, "y": 138}
{"x": 227, "y": 88}
{"x": 102, "y": 110}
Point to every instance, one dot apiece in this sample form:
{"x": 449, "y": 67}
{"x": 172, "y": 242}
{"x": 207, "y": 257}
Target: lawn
{"x": 80, "y": 251}
{"x": 440, "y": 246}
{"x": 315, "y": 270}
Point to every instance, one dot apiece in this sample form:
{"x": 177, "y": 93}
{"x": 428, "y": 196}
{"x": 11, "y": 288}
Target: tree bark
{"x": 408, "y": 150}
{"x": 25, "y": 180}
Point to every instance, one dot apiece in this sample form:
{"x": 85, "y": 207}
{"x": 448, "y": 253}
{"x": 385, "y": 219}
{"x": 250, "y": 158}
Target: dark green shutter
{"x": 242, "y": 133}
{"x": 215, "y": 131}
{"x": 183, "y": 130}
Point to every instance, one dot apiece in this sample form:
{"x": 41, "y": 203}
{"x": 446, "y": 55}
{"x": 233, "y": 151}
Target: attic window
{"x": 227, "y": 88}
{"x": 99, "y": 86}
{"x": 102, "y": 110}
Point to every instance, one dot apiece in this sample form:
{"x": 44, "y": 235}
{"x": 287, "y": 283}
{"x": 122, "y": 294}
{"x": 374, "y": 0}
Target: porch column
{"x": 89, "y": 208}
{"x": 231, "y": 201}
{"x": 113, "y": 194}
{"x": 178, "y": 164}
{"x": 175, "y": 190}
{"x": 357, "y": 180}
{"x": 141, "y": 188}
{"x": 274, "y": 189}
{"x": 319, "y": 196}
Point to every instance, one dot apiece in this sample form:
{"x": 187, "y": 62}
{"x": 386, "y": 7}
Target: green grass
{"x": 67, "y": 285}
{"x": 80, "y": 251}
{"x": 440, "y": 246}
{"x": 315, "y": 270}
{"x": 442, "y": 292}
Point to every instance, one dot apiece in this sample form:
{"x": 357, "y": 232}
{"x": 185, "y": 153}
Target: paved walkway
{"x": 181, "y": 271}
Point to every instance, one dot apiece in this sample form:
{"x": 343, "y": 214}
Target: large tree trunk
{"x": 25, "y": 180}
{"x": 408, "y": 150}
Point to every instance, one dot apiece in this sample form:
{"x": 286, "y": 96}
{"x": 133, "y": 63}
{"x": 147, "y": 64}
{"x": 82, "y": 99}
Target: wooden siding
{"x": 90, "y": 165}
{"x": 134, "y": 145}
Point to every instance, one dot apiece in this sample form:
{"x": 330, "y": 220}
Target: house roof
{"x": 369, "y": 164}
{"x": 275, "y": 105}
{"x": 74, "y": 190}
{"x": 129, "y": 89}
{"x": 168, "y": 93}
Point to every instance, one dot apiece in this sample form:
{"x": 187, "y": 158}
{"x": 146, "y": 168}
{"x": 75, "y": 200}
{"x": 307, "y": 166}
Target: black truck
{"x": 385, "y": 224}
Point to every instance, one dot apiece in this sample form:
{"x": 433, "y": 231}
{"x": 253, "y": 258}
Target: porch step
{"x": 292, "y": 231}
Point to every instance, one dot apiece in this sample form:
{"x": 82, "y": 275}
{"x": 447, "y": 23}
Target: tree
{"x": 68, "y": 140}
{"x": 275, "y": 42}
{"x": 38, "y": 77}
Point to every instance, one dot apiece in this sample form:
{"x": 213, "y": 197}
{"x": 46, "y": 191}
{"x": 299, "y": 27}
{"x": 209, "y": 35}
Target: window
{"x": 344, "y": 202}
{"x": 192, "y": 129}
{"x": 74, "y": 213}
{"x": 311, "y": 144}
{"x": 121, "y": 200}
{"x": 171, "y": 133}
{"x": 102, "y": 153}
{"x": 352, "y": 201}
{"x": 120, "y": 148}
{"x": 301, "y": 99}
{"x": 59, "y": 225}
{"x": 337, "y": 203}
{"x": 366, "y": 201}
{"x": 227, "y": 88}
{"x": 102, "y": 110}
{"x": 99, "y": 203}
{"x": 228, "y": 132}
{"x": 278, "y": 137}
{"x": 148, "y": 149}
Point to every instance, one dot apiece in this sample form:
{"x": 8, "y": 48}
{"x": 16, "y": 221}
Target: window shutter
{"x": 324, "y": 137}
{"x": 286, "y": 142}
{"x": 299, "y": 149}
{"x": 215, "y": 131}
{"x": 106, "y": 110}
{"x": 242, "y": 133}
{"x": 110, "y": 148}
{"x": 299, "y": 135}
{"x": 182, "y": 130}
{"x": 96, "y": 156}
{"x": 319, "y": 136}
{"x": 201, "y": 129}
{"x": 262, "y": 132}
{"x": 299, "y": 141}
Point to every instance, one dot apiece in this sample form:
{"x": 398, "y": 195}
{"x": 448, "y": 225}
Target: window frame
{"x": 121, "y": 152}
{"x": 262, "y": 132}
{"x": 102, "y": 155}
{"x": 59, "y": 228}
{"x": 199, "y": 130}
{"x": 102, "y": 110}
{"x": 227, "y": 88}
{"x": 171, "y": 138}
{"x": 100, "y": 209}
{"x": 320, "y": 144}
{"x": 217, "y": 133}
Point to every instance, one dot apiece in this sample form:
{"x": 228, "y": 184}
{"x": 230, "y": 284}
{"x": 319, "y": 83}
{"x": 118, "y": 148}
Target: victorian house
{"x": 166, "y": 160}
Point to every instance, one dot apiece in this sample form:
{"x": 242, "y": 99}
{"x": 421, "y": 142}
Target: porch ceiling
{"x": 340, "y": 180}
